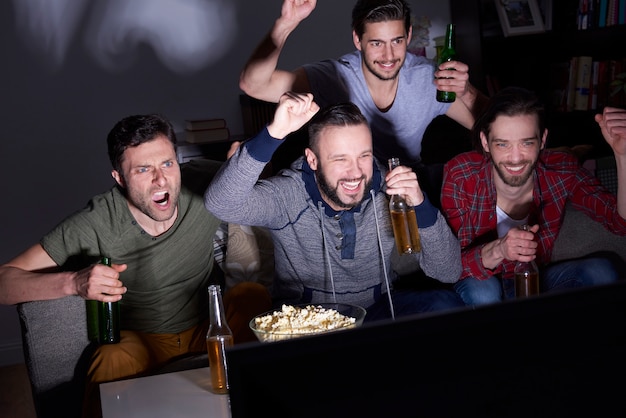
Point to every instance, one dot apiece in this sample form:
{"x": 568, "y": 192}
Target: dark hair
{"x": 341, "y": 114}
{"x": 135, "y": 130}
{"x": 372, "y": 11}
{"x": 510, "y": 101}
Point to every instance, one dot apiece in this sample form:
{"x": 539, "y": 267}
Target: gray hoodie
{"x": 322, "y": 255}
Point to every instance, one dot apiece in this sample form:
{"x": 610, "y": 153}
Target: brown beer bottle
{"x": 218, "y": 339}
{"x": 403, "y": 220}
{"x": 526, "y": 276}
{"x": 448, "y": 53}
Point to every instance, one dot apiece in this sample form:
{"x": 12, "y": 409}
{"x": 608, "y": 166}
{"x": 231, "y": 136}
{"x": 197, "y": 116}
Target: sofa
{"x": 54, "y": 332}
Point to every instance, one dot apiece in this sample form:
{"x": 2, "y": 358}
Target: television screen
{"x": 556, "y": 355}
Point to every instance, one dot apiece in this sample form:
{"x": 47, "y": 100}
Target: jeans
{"x": 558, "y": 276}
{"x": 408, "y": 302}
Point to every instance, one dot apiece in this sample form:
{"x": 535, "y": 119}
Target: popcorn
{"x": 302, "y": 320}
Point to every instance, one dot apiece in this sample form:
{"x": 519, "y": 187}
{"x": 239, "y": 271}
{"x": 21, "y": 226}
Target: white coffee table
{"x": 179, "y": 394}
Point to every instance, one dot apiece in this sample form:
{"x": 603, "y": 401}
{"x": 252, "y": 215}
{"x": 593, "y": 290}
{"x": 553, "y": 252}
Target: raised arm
{"x": 470, "y": 101}
{"x": 235, "y": 193}
{"x": 260, "y": 78}
{"x": 33, "y": 275}
{"x": 612, "y": 123}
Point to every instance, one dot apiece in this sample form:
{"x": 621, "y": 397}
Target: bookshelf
{"x": 538, "y": 61}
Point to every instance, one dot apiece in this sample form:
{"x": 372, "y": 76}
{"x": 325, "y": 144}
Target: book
{"x": 571, "y": 84}
{"x": 595, "y": 79}
{"x": 602, "y": 13}
{"x": 202, "y": 124}
{"x": 611, "y": 13}
{"x": 583, "y": 83}
{"x": 207, "y": 135}
{"x": 559, "y": 82}
{"x": 603, "y": 84}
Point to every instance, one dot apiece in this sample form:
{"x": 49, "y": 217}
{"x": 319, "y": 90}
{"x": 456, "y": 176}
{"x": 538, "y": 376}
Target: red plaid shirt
{"x": 468, "y": 200}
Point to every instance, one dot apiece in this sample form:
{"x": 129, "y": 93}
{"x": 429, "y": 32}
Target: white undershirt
{"x": 505, "y": 222}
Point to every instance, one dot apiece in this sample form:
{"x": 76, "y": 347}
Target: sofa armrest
{"x": 581, "y": 236}
{"x": 57, "y": 352}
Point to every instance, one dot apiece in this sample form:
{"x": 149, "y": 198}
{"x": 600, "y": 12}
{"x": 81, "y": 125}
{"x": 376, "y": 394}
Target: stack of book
{"x": 201, "y": 131}
{"x": 586, "y": 83}
{"x": 601, "y": 13}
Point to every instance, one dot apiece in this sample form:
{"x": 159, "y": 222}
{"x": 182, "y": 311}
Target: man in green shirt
{"x": 159, "y": 237}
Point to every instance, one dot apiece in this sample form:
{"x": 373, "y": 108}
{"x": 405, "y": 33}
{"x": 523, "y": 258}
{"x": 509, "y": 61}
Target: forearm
{"x": 473, "y": 263}
{"x": 474, "y": 100}
{"x": 17, "y": 285}
{"x": 620, "y": 161}
{"x": 233, "y": 188}
{"x": 492, "y": 254}
{"x": 441, "y": 252}
{"x": 256, "y": 76}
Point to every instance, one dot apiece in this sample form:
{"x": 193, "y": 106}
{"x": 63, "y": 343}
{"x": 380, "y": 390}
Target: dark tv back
{"x": 559, "y": 355}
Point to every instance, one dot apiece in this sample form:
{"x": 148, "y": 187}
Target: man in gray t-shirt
{"x": 394, "y": 89}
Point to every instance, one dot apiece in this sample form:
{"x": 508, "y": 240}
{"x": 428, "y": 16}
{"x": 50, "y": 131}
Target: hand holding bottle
{"x": 526, "y": 273}
{"x": 405, "y": 191}
{"x": 402, "y": 180}
{"x": 519, "y": 243}
{"x": 100, "y": 282}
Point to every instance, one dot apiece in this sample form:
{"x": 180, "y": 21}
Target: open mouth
{"x": 388, "y": 65}
{"x": 161, "y": 198}
{"x": 515, "y": 169}
{"x": 351, "y": 186}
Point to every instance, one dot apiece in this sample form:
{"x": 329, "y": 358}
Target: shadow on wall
{"x": 186, "y": 35}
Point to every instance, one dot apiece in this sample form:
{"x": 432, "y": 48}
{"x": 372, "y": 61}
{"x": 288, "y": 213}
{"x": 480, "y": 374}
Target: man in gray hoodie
{"x": 328, "y": 215}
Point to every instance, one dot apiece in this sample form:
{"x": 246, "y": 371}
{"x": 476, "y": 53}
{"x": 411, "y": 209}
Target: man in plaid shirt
{"x": 515, "y": 181}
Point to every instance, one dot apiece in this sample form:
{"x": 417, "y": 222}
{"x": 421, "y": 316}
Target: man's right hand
{"x": 292, "y": 112}
{"x": 295, "y": 11}
{"x": 100, "y": 282}
{"x": 516, "y": 245}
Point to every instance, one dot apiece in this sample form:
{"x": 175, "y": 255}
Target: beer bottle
{"x": 109, "y": 317}
{"x": 218, "y": 338}
{"x": 403, "y": 220}
{"x": 526, "y": 276}
{"x": 448, "y": 53}
{"x": 93, "y": 329}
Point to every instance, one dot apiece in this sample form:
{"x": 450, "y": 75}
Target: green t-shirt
{"x": 167, "y": 276}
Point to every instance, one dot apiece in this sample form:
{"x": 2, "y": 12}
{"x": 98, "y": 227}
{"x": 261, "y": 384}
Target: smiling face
{"x": 343, "y": 164}
{"x": 514, "y": 144}
{"x": 151, "y": 177}
{"x": 383, "y": 48}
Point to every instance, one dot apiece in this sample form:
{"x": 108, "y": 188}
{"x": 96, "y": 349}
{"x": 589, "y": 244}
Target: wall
{"x": 72, "y": 68}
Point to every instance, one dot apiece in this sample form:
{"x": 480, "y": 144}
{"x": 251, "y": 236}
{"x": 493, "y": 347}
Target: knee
{"x": 476, "y": 292}
{"x": 129, "y": 357}
{"x": 252, "y": 294}
{"x": 600, "y": 271}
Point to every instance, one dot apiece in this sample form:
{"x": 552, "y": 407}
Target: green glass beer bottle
{"x": 109, "y": 317}
{"x": 93, "y": 328}
{"x": 448, "y": 53}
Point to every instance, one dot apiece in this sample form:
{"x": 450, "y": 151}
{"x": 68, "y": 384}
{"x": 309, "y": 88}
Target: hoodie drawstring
{"x": 326, "y": 254}
{"x": 382, "y": 257}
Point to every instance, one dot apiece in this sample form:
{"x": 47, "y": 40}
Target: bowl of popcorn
{"x": 291, "y": 321}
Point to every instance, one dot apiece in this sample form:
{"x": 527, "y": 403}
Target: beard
{"x": 516, "y": 181}
{"x": 380, "y": 76}
{"x": 330, "y": 192}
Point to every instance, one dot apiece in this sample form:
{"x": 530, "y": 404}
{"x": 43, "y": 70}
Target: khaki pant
{"x": 139, "y": 353}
